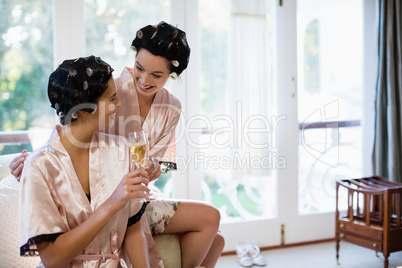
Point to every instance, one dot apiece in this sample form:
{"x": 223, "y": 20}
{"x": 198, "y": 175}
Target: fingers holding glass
{"x": 140, "y": 190}
{"x": 153, "y": 169}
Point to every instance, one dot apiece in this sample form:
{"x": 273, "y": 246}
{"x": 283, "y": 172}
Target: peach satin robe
{"x": 52, "y": 200}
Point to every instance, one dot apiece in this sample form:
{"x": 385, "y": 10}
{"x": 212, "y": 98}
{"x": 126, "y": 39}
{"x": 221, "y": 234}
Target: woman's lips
{"x": 145, "y": 89}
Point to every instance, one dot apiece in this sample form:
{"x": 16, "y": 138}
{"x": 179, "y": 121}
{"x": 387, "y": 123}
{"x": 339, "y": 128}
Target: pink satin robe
{"x": 160, "y": 123}
{"x": 52, "y": 200}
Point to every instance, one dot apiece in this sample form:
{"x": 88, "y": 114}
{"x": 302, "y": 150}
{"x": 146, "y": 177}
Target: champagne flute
{"x": 139, "y": 151}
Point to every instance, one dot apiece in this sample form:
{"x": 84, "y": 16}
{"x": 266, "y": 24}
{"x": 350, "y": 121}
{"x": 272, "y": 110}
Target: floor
{"x": 321, "y": 255}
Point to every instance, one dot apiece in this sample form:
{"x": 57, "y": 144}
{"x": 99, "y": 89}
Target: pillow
{"x": 5, "y": 160}
{"x": 9, "y": 234}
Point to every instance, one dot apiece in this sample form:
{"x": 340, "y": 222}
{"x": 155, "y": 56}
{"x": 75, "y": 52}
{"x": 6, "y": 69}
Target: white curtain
{"x": 249, "y": 106}
{"x": 250, "y": 88}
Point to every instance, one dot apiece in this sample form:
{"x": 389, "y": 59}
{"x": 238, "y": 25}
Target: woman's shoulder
{"x": 124, "y": 84}
{"x": 125, "y": 75}
{"x": 40, "y": 163}
{"x": 110, "y": 140}
{"x": 40, "y": 154}
{"x": 48, "y": 149}
{"x": 169, "y": 98}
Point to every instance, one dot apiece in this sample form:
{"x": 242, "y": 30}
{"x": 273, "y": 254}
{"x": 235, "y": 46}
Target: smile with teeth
{"x": 144, "y": 87}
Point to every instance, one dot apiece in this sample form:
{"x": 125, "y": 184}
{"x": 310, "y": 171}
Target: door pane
{"x": 26, "y": 58}
{"x": 238, "y": 152}
{"x": 330, "y": 71}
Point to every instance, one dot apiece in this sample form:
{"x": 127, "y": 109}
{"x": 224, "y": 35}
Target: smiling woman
{"x": 151, "y": 72}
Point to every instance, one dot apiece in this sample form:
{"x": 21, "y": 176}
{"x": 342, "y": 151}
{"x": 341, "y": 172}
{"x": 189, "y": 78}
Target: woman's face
{"x": 150, "y": 72}
{"x": 107, "y": 104}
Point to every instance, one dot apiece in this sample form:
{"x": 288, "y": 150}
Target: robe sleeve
{"x": 165, "y": 148}
{"x": 39, "y": 217}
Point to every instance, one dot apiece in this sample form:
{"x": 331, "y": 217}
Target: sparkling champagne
{"x": 140, "y": 154}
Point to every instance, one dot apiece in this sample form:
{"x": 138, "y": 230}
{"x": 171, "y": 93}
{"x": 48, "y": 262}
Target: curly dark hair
{"x": 77, "y": 85}
{"x": 166, "y": 41}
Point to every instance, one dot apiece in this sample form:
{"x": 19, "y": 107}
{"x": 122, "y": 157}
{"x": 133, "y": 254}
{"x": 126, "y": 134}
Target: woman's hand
{"x": 153, "y": 169}
{"x": 132, "y": 185}
{"x": 17, "y": 164}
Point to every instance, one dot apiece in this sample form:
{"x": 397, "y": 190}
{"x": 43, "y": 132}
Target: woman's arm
{"x": 159, "y": 147}
{"x": 136, "y": 246}
{"x": 68, "y": 245}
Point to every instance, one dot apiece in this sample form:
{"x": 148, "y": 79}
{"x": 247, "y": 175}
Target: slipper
{"x": 242, "y": 254}
{"x": 254, "y": 253}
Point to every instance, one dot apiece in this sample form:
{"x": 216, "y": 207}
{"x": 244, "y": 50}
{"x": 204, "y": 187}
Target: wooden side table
{"x": 373, "y": 215}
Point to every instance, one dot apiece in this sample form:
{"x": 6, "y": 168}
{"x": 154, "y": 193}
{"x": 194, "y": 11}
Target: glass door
{"x": 278, "y": 124}
{"x": 329, "y": 108}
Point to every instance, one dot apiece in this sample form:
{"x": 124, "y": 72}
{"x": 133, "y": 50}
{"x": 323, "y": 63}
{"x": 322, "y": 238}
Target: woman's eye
{"x": 157, "y": 76}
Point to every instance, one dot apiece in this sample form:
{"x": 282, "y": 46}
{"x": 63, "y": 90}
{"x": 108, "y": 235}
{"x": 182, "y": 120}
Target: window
{"x": 26, "y": 62}
{"x": 111, "y": 27}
